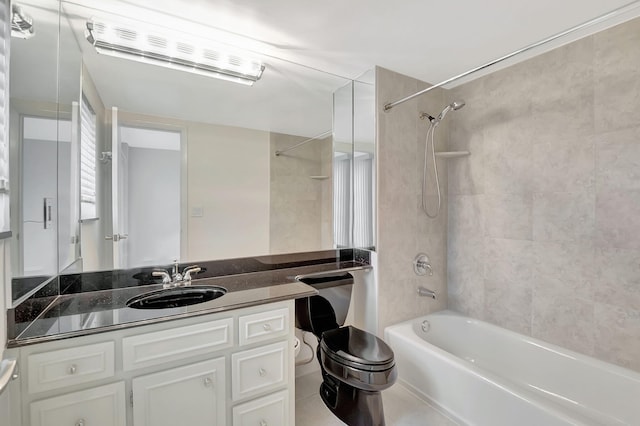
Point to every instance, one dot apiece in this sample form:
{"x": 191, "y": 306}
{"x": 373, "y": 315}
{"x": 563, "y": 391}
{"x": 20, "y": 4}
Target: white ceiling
{"x": 428, "y": 40}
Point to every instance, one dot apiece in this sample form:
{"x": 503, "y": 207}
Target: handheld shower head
{"x": 455, "y": 105}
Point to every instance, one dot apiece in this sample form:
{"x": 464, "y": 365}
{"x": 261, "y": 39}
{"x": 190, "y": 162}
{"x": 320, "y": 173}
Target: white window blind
{"x": 4, "y": 117}
{"x": 342, "y": 201}
{"x": 88, "y": 180}
{"x": 363, "y": 225}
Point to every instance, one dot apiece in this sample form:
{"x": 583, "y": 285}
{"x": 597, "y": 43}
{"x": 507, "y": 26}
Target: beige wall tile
{"x": 618, "y": 219}
{"x": 508, "y": 260}
{"x": 563, "y": 216}
{"x": 564, "y": 165}
{"x": 617, "y": 335}
{"x": 618, "y": 160}
{"x": 566, "y": 266}
{"x": 514, "y": 299}
{"x": 508, "y": 216}
{"x": 618, "y": 274}
{"x": 560, "y": 137}
{"x": 617, "y": 77}
{"x": 561, "y": 319}
{"x": 403, "y": 229}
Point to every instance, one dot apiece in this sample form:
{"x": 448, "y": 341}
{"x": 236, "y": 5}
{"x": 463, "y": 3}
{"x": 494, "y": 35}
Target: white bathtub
{"x": 481, "y": 374}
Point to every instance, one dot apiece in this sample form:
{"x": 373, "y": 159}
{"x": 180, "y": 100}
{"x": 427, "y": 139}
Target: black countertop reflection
{"x": 103, "y": 309}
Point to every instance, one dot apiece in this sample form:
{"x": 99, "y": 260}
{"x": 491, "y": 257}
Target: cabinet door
{"x": 189, "y": 395}
{"x": 100, "y": 406}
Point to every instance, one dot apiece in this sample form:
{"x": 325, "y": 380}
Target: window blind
{"x": 4, "y": 116}
{"x": 88, "y": 166}
{"x": 363, "y": 201}
{"x": 342, "y": 201}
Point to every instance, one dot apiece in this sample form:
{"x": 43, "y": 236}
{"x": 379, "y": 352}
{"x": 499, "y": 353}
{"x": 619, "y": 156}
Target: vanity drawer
{"x": 144, "y": 350}
{"x": 100, "y": 406}
{"x": 66, "y": 367}
{"x": 263, "y": 326}
{"x": 272, "y": 410}
{"x": 258, "y": 370}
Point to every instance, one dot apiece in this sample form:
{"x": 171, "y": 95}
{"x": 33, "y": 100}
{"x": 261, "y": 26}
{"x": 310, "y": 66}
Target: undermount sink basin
{"x": 176, "y": 297}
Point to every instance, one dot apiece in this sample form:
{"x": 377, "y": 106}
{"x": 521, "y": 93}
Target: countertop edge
{"x": 18, "y": 343}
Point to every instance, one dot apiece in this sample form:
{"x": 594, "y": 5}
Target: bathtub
{"x": 481, "y": 374}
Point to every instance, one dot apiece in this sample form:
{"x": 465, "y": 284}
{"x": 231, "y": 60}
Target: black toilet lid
{"x": 354, "y": 346}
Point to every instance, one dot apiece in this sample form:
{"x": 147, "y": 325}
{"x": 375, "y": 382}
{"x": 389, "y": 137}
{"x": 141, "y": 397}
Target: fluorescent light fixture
{"x": 21, "y": 23}
{"x": 185, "y": 55}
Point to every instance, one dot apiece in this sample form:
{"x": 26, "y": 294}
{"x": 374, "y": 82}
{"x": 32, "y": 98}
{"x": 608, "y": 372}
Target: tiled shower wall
{"x": 301, "y": 215}
{"x": 544, "y": 216}
{"x": 403, "y": 229}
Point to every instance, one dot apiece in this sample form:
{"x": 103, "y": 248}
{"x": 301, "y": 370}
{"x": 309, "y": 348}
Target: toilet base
{"x": 355, "y": 407}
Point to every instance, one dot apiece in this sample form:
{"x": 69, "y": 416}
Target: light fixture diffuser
{"x": 21, "y": 23}
{"x": 185, "y": 55}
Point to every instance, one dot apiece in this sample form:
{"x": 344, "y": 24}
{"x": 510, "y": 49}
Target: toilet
{"x": 356, "y": 365}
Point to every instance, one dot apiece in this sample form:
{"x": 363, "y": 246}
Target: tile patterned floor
{"x": 401, "y": 407}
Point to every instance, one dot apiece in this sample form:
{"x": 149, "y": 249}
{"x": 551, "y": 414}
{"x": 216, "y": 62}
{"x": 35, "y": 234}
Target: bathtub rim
{"x": 406, "y": 331}
{"x": 562, "y": 351}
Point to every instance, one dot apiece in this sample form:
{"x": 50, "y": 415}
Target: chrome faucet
{"x": 175, "y": 274}
{"x": 188, "y": 271}
{"x": 426, "y": 292}
{"x": 166, "y": 278}
{"x": 176, "y": 278}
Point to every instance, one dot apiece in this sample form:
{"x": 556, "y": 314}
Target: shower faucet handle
{"x": 421, "y": 265}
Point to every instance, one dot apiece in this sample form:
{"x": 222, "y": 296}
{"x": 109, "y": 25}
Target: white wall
{"x": 228, "y": 192}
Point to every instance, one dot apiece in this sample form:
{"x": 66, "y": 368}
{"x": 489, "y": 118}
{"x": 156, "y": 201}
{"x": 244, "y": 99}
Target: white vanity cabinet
{"x": 99, "y": 406}
{"x": 230, "y": 368}
{"x": 189, "y": 395}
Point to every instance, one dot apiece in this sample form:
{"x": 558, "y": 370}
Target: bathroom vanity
{"x": 88, "y": 359}
{"x": 234, "y": 367}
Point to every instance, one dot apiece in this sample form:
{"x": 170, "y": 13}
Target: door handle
{"x": 8, "y": 372}
{"x": 116, "y": 237}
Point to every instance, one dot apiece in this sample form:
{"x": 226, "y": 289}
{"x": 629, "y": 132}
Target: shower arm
{"x": 597, "y": 20}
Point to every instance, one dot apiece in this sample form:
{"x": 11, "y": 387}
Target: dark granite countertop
{"x": 78, "y": 314}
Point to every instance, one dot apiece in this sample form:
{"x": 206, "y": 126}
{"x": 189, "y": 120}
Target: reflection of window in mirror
{"x": 363, "y": 199}
{"x": 87, "y": 162}
{"x": 342, "y": 198}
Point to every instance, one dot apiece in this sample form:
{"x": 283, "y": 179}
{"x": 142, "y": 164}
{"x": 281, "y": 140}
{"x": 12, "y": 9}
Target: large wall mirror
{"x": 162, "y": 162}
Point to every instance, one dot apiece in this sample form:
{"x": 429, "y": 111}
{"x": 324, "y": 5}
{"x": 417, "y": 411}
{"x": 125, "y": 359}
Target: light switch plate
{"x": 197, "y": 211}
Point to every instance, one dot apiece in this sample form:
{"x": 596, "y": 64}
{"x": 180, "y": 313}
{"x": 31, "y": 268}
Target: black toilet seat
{"x": 357, "y": 349}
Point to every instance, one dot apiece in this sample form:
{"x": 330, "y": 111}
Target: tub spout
{"x": 426, "y": 292}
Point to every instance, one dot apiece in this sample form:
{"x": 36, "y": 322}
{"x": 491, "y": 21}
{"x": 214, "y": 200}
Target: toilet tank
{"x": 335, "y": 287}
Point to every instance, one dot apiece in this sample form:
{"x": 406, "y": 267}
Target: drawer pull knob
{"x": 208, "y": 382}
{"x": 80, "y": 422}
{"x": 262, "y": 372}
{"x": 263, "y": 423}
{"x": 72, "y": 370}
{"x": 267, "y": 327}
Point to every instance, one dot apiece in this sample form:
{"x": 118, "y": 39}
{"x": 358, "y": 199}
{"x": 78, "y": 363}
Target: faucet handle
{"x": 421, "y": 265}
{"x": 189, "y": 270}
{"x": 166, "y": 278}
